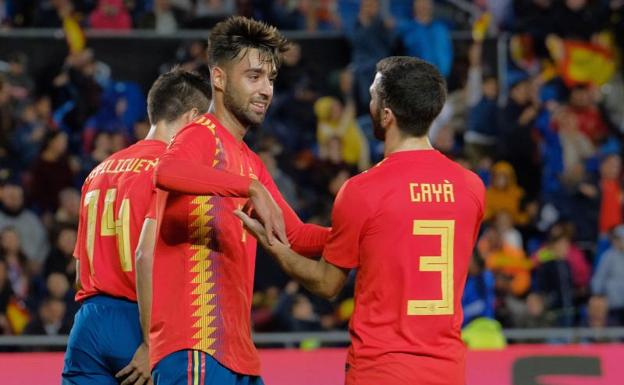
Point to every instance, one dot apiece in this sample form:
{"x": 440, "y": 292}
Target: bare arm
{"x": 137, "y": 372}
{"x": 319, "y": 277}
{"x": 144, "y": 263}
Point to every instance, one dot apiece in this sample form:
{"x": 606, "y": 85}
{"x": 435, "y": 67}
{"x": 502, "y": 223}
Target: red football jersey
{"x": 115, "y": 200}
{"x": 409, "y": 226}
{"x": 204, "y": 261}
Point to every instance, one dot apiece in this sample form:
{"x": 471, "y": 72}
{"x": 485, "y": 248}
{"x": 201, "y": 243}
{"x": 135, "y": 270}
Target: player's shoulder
{"x": 203, "y": 126}
{"x": 473, "y": 181}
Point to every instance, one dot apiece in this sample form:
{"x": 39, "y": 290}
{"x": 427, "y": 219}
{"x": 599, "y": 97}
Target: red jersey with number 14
{"x": 409, "y": 226}
{"x": 115, "y": 199}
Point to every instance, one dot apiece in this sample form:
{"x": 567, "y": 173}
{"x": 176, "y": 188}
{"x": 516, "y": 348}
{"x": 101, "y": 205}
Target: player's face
{"x": 375, "y": 109}
{"x": 249, "y": 87}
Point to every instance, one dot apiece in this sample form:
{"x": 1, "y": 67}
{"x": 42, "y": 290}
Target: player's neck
{"x": 160, "y": 131}
{"x": 396, "y": 142}
{"x": 228, "y": 120}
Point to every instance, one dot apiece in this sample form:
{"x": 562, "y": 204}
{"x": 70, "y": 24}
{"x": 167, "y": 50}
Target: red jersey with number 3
{"x": 408, "y": 225}
{"x": 116, "y": 197}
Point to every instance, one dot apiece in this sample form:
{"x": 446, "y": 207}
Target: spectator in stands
{"x": 553, "y": 277}
{"x": 371, "y": 41}
{"x": 28, "y": 226}
{"x": 611, "y": 194}
{"x": 504, "y": 194}
{"x": 516, "y": 134}
{"x": 511, "y": 271}
{"x": 52, "y": 172}
{"x": 576, "y": 148}
{"x": 101, "y": 149}
{"x": 60, "y": 259}
{"x": 110, "y": 14}
{"x": 426, "y": 38}
{"x": 503, "y": 222}
{"x": 588, "y": 117}
{"x": 69, "y": 207}
{"x": 22, "y": 84}
{"x": 49, "y": 320}
{"x": 481, "y": 93}
{"x": 608, "y": 279}
{"x": 19, "y": 270}
{"x": 336, "y": 119}
{"x": 478, "y": 299}
{"x": 30, "y": 133}
{"x": 164, "y": 18}
{"x": 75, "y": 93}
{"x": 59, "y": 287}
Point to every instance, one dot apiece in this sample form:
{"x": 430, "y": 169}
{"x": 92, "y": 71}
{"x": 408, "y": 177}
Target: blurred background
{"x": 535, "y": 108}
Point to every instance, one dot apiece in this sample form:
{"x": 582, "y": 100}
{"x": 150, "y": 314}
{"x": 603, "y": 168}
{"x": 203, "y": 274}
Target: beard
{"x": 235, "y": 104}
{"x": 378, "y": 130}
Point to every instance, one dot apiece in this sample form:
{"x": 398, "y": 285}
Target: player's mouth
{"x": 258, "y": 107}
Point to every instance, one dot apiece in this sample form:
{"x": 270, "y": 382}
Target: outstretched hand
{"x": 257, "y": 230}
{"x": 269, "y": 213}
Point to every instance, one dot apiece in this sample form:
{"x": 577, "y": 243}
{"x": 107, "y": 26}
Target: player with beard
{"x": 408, "y": 225}
{"x": 198, "y": 279}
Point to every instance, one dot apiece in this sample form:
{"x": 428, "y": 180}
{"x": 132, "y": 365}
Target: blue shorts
{"x": 103, "y": 340}
{"x": 197, "y": 368}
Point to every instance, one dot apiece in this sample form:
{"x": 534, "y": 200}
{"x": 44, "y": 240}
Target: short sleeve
{"x": 349, "y": 217}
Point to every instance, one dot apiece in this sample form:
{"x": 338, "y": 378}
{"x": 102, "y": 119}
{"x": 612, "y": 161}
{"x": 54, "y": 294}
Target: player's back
{"x": 115, "y": 199}
{"x": 423, "y": 215}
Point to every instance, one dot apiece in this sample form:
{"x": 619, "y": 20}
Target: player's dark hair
{"x": 176, "y": 92}
{"x": 414, "y": 90}
{"x": 231, "y": 37}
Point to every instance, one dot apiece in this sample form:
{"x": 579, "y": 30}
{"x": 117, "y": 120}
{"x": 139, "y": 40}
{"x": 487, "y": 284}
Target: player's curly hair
{"x": 414, "y": 90}
{"x": 231, "y": 37}
{"x": 176, "y": 92}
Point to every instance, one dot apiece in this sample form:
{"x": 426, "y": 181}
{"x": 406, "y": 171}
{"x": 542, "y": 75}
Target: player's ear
{"x": 387, "y": 117}
{"x": 191, "y": 115}
{"x": 218, "y": 77}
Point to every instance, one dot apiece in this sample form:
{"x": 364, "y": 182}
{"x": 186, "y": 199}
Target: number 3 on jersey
{"x": 442, "y": 263}
{"x": 109, "y": 226}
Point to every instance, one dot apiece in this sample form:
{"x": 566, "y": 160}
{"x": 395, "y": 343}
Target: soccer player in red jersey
{"x": 105, "y": 343}
{"x": 203, "y": 261}
{"x": 408, "y": 225}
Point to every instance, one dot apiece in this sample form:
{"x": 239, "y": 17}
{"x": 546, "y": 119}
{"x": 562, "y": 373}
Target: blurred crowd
{"x": 544, "y": 133}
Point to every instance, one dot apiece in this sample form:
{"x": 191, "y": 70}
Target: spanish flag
{"x": 580, "y": 62}
{"x": 73, "y": 34}
{"x": 17, "y": 315}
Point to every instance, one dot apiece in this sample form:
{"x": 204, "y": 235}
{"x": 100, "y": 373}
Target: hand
{"x": 268, "y": 212}
{"x": 257, "y": 230}
{"x": 137, "y": 372}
